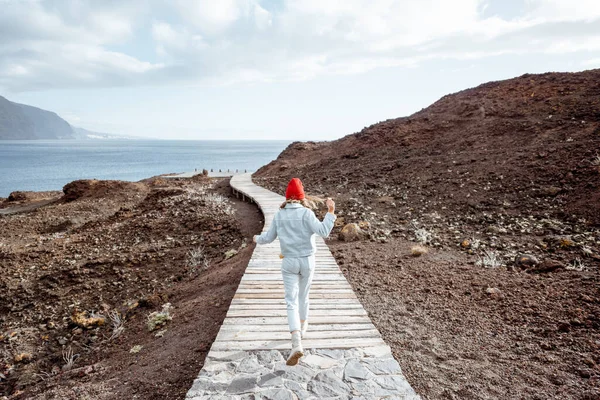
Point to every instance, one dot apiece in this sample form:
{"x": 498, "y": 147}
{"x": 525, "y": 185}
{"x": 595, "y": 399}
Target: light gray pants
{"x": 297, "y": 276}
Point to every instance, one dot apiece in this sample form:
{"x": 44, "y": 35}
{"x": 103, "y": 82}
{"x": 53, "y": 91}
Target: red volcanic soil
{"x": 106, "y": 249}
{"x": 501, "y": 186}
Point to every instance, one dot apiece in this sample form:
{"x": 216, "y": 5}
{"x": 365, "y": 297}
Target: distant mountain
{"x": 23, "y": 122}
{"x": 19, "y": 121}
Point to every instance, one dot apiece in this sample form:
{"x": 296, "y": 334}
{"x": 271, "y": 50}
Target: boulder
{"x": 17, "y": 196}
{"x": 525, "y": 260}
{"x": 351, "y": 232}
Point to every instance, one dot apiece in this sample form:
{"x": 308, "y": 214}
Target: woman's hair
{"x": 311, "y": 202}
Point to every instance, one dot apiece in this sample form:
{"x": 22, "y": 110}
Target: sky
{"x": 275, "y": 69}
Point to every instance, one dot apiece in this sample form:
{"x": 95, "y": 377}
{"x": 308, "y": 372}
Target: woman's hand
{"x": 330, "y": 205}
{"x": 254, "y": 239}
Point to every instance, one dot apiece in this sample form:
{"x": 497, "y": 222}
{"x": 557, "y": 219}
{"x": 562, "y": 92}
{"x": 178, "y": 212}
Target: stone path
{"x": 345, "y": 357}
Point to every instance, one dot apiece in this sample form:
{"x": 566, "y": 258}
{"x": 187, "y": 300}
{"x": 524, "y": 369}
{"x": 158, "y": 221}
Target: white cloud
{"x": 211, "y": 17}
{"x": 563, "y": 10}
{"x": 228, "y": 41}
{"x": 66, "y": 44}
{"x": 594, "y": 62}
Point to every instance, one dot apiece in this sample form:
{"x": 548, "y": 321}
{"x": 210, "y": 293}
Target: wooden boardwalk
{"x": 346, "y": 357}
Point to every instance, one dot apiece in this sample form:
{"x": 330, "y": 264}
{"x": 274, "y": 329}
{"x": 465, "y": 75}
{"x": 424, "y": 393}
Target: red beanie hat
{"x": 295, "y": 190}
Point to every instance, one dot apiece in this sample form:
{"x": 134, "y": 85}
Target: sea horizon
{"x": 44, "y": 165}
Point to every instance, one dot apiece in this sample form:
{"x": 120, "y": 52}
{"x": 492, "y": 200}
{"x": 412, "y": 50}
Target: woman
{"x": 296, "y": 225}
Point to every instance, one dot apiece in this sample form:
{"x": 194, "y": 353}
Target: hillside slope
{"x": 528, "y": 142}
{"x": 500, "y": 185}
{"x": 20, "y": 122}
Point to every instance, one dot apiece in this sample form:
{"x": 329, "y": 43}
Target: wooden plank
{"x": 283, "y": 320}
{"x": 244, "y": 335}
{"x": 285, "y": 328}
{"x": 262, "y": 271}
{"x": 281, "y": 291}
{"x": 280, "y": 302}
{"x": 282, "y": 306}
{"x": 274, "y": 277}
{"x": 278, "y": 295}
{"x": 282, "y": 312}
{"x": 279, "y": 285}
{"x": 307, "y": 344}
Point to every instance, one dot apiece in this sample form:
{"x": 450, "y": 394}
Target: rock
{"x": 393, "y": 383}
{"x": 525, "y": 260}
{"x": 495, "y": 229}
{"x": 350, "y": 233}
{"x": 136, "y": 349}
{"x": 418, "y": 250}
{"x": 81, "y": 319}
{"x": 249, "y": 365}
{"x": 230, "y": 253}
{"x": 385, "y": 199}
{"x": 585, "y": 373}
{"x": 493, "y": 292}
{"x": 465, "y": 244}
{"x": 564, "y": 326}
{"x": 17, "y": 196}
{"x": 387, "y": 366}
{"x": 560, "y": 241}
{"x": 328, "y": 384}
{"x": 354, "y": 370}
{"x": 204, "y": 385}
{"x": 364, "y": 225}
{"x": 335, "y": 354}
{"x": 298, "y": 373}
{"x": 268, "y": 358}
{"x": 23, "y": 357}
{"x": 316, "y": 361}
{"x": 242, "y": 384}
{"x": 547, "y": 265}
{"x": 271, "y": 379}
{"x": 550, "y": 191}
{"x": 294, "y": 386}
{"x": 340, "y": 221}
{"x": 275, "y": 394}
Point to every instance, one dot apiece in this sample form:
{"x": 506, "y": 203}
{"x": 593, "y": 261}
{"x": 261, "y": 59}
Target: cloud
{"x": 47, "y": 44}
{"x": 594, "y": 62}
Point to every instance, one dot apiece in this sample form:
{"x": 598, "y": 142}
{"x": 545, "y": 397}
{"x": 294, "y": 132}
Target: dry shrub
{"x": 418, "y": 250}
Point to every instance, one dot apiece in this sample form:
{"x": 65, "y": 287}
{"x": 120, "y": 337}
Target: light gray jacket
{"x": 296, "y": 226}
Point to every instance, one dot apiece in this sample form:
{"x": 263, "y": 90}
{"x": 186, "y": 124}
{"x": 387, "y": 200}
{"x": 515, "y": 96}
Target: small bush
{"x": 576, "y": 265}
{"x": 158, "y": 319}
{"x": 197, "y": 258}
{"x": 218, "y": 203}
{"x": 118, "y": 324}
{"x": 489, "y": 259}
{"x": 423, "y": 236}
{"x": 69, "y": 359}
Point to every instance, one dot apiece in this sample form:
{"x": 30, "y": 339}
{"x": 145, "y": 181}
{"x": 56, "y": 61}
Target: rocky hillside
{"x": 20, "y": 121}
{"x": 472, "y": 235}
{"x": 528, "y": 145}
{"x": 115, "y": 286}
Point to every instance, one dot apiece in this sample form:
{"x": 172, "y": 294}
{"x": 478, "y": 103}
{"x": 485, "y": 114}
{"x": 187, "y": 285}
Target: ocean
{"x": 50, "y": 164}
